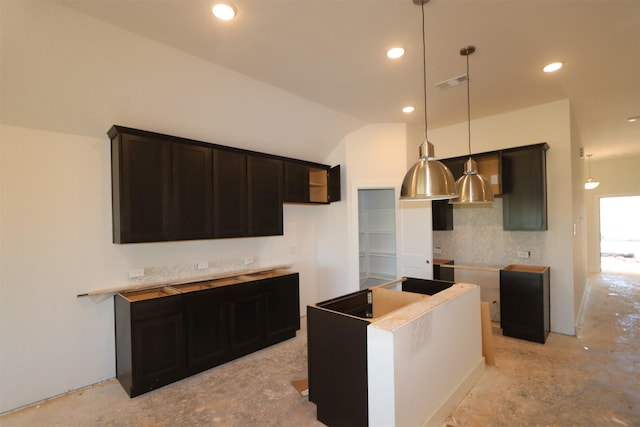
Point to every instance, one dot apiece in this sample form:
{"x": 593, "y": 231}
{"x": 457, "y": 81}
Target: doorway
{"x": 377, "y": 236}
{"x": 620, "y": 234}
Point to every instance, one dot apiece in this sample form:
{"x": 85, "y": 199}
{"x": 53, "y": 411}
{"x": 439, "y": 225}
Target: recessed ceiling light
{"x": 223, "y": 11}
{"x": 633, "y": 119}
{"x": 554, "y": 66}
{"x": 409, "y": 109}
{"x": 395, "y": 52}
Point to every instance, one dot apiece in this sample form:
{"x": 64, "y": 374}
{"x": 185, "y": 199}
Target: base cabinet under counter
{"x": 166, "y": 334}
{"x": 149, "y": 340}
{"x": 525, "y": 302}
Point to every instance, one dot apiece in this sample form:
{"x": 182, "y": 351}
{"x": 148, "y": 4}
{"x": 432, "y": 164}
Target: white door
{"x": 415, "y": 253}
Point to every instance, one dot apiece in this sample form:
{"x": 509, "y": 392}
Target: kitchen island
{"x": 387, "y": 357}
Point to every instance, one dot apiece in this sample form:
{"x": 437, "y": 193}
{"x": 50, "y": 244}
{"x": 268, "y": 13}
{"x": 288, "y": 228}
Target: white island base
{"x": 408, "y": 362}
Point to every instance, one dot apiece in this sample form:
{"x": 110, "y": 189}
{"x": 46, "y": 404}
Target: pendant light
{"x": 428, "y": 179}
{"x": 589, "y": 183}
{"x": 472, "y": 187}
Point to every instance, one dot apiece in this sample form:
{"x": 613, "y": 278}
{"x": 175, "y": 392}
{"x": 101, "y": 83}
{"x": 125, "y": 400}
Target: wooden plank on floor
{"x": 487, "y": 336}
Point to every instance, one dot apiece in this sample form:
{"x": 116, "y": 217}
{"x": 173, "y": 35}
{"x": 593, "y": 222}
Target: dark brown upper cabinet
{"x": 161, "y": 189}
{"x": 170, "y": 188}
{"x": 518, "y": 175}
{"x": 141, "y": 188}
{"x": 524, "y": 176}
{"x": 192, "y": 184}
{"x": 311, "y": 183}
{"x": 442, "y": 210}
{"x": 230, "y": 194}
{"x": 265, "y": 186}
{"x": 296, "y": 182}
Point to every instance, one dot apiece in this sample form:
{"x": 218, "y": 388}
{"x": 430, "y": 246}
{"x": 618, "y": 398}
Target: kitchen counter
{"x": 197, "y": 283}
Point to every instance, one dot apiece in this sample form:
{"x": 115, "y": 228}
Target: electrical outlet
{"x": 524, "y": 254}
{"x": 248, "y": 260}
{"x": 202, "y": 265}
{"x": 136, "y": 272}
{"x": 437, "y": 250}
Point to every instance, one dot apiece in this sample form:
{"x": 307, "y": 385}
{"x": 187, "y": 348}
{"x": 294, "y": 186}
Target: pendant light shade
{"x": 471, "y": 186}
{"x": 428, "y": 179}
{"x": 590, "y": 184}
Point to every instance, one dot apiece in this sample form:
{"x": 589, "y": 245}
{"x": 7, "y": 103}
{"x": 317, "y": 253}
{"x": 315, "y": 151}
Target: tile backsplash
{"x": 478, "y": 239}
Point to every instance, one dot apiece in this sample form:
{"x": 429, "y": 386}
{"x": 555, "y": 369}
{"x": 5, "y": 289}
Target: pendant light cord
{"x": 468, "y": 104}
{"x": 424, "y": 73}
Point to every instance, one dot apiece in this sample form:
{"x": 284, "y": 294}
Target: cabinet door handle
{"x": 427, "y": 261}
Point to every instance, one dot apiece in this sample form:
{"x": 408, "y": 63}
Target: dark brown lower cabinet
{"x": 207, "y": 329}
{"x": 443, "y": 273}
{"x": 337, "y": 353}
{"x": 337, "y": 362}
{"x": 282, "y": 321}
{"x": 149, "y": 342}
{"x": 524, "y": 302}
{"x": 425, "y": 286}
{"x": 163, "y": 335}
{"x": 246, "y": 318}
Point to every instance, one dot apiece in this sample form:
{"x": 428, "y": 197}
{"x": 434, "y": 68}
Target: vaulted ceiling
{"x": 333, "y": 52}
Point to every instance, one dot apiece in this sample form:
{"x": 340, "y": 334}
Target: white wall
{"x": 548, "y": 123}
{"x": 375, "y": 157}
{"x": 580, "y": 223}
{"x": 66, "y": 72}
{"x": 65, "y": 79}
{"x": 55, "y": 224}
{"x": 619, "y": 176}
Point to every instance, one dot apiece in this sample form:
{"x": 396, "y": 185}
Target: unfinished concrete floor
{"x": 589, "y": 380}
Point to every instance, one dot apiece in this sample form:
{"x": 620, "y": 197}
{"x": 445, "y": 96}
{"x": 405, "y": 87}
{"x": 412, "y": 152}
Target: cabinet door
{"x": 192, "y": 183}
{"x": 335, "y": 193}
{"x": 442, "y": 215}
{"x": 265, "y": 185}
{"x": 456, "y": 166}
{"x": 524, "y": 205}
{"x": 158, "y": 348}
{"x": 425, "y": 286}
{"x": 141, "y": 184}
{"x": 246, "y": 319}
{"x": 282, "y": 308}
{"x": 207, "y": 337}
{"x": 524, "y": 305}
{"x": 230, "y": 204}
{"x": 337, "y": 367}
{"x": 296, "y": 182}
{"x": 442, "y": 210}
